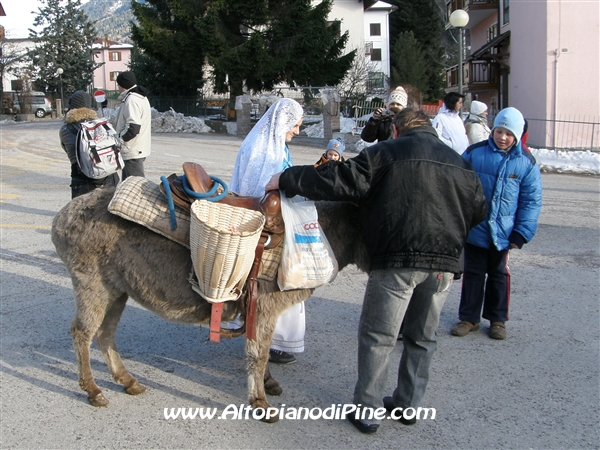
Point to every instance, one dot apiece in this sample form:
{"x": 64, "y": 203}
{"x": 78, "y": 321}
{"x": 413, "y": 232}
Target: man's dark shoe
{"x": 367, "y": 429}
{"x": 389, "y": 405}
{"x": 280, "y": 357}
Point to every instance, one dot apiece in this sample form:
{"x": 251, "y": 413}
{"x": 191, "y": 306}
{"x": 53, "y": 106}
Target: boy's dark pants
{"x": 479, "y": 262}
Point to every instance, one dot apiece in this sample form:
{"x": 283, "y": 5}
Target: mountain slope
{"x": 112, "y": 18}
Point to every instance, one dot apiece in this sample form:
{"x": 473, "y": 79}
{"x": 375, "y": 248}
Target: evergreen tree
{"x": 152, "y": 74}
{"x": 65, "y": 41}
{"x": 175, "y": 35}
{"x": 423, "y": 19}
{"x": 409, "y": 63}
{"x": 251, "y": 44}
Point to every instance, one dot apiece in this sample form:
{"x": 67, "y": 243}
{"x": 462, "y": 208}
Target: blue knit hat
{"x": 337, "y": 145}
{"x": 512, "y": 120}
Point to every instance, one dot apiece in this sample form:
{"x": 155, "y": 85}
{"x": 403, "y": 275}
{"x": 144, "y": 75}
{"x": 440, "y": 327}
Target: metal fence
{"x": 565, "y": 134}
{"x": 362, "y": 110}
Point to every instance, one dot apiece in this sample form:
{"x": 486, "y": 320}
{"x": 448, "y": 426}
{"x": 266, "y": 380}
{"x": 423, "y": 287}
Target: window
{"x": 16, "y": 85}
{"x": 375, "y": 80}
{"x": 492, "y": 32}
{"x": 114, "y": 56}
{"x": 505, "y": 12}
{"x": 114, "y": 75}
{"x": 376, "y": 54}
{"x": 375, "y": 29}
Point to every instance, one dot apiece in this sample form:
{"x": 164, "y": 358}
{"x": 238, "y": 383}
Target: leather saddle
{"x": 200, "y": 182}
{"x": 196, "y": 180}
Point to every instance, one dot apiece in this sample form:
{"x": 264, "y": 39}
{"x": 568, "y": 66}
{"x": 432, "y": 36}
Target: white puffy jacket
{"x": 451, "y": 130}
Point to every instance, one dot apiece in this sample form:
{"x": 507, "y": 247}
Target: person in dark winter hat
{"x": 333, "y": 152}
{"x": 80, "y": 99}
{"x": 126, "y": 80}
{"x": 133, "y": 124}
{"x": 513, "y": 189}
{"x": 80, "y": 104}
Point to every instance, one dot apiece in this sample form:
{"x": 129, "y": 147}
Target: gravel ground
{"x": 537, "y": 389}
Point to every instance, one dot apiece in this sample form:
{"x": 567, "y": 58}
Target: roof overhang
{"x": 497, "y": 42}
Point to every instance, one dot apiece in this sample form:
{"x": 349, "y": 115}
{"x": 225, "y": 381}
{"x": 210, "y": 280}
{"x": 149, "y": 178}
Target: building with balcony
{"x": 367, "y": 23}
{"x": 540, "y": 57}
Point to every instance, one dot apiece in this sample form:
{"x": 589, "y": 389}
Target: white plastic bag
{"x": 308, "y": 260}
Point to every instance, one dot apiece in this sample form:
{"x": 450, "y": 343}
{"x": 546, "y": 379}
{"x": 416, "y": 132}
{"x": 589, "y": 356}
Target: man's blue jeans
{"x": 391, "y": 295}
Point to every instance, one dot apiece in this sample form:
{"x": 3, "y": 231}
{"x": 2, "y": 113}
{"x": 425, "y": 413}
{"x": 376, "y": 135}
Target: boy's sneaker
{"x": 498, "y": 331}
{"x": 463, "y": 328}
{"x": 281, "y": 357}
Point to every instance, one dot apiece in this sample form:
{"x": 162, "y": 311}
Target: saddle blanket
{"x": 139, "y": 200}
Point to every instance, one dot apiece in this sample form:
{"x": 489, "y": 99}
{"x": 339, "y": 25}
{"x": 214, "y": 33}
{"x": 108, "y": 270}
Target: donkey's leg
{"x": 272, "y": 386}
{"x": 105, "y": 338}
{"x": 257, "y": 352}
{"x": 91, "y": 308}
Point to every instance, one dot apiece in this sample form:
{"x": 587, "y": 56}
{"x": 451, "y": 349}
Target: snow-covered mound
{"x": 557, "y": 161}
{"x": 174, "y": 122}
{"x": 167, "y": 122}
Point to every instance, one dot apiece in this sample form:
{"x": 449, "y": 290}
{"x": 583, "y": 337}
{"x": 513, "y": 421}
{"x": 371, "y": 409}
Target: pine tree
{"x": 64, "y": 42}
{"x": 174, "y": 36}
{"x": 423, "y": 19}
{"x": 409, "y": 64}
{"x": 250, "y": 44}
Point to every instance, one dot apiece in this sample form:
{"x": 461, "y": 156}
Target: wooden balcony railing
{"x": 477, "y": 75}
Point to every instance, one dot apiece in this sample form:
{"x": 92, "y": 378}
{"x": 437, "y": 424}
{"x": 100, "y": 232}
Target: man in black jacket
{"x": 417, "y": 200}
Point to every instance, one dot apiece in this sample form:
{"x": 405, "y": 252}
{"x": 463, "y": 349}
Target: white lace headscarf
{"x": 263, "y": 152}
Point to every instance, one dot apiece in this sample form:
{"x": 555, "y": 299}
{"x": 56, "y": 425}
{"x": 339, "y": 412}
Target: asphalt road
{"x": 537, "y": 389}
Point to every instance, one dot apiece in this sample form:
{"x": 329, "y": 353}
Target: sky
{"x": 19, "y": 17}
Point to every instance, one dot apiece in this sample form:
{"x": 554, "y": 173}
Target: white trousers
{"x": 289, "y": 331}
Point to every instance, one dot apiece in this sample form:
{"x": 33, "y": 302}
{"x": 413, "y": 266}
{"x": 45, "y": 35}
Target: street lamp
{"x": 59, "y": 71}
{"x": 459, "y": 19}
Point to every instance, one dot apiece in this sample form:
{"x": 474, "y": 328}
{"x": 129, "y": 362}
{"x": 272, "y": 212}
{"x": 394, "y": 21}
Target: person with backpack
{"x": 80, "y": 110}
{"x": 133, "y": 124}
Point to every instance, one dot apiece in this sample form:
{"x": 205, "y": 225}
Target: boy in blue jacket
{"x": 513, "y": 189}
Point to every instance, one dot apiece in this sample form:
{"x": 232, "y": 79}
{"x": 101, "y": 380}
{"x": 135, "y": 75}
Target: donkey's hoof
{"x": 266, "y": 414}
{"x": 135, "y": 389}
{"x": 98, "y": 400}
{"x": 272, "y": 387}
{"x": 272, "y": 419}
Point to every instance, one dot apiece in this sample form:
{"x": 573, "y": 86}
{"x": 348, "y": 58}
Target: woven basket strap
{"x": 252, "y": 289}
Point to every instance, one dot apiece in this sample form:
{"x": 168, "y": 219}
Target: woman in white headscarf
{"x": 263, "y": 153}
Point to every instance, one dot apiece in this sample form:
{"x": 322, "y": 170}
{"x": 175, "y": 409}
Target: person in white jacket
{"x": 133, "y": 124}
{"x": 449, "y": 124}
{"x": 476, "y": 124}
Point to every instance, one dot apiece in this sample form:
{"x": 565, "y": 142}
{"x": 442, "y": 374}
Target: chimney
{"x": 106, "y": 40}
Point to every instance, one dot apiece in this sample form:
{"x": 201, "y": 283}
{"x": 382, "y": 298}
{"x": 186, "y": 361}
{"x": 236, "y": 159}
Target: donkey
{"x": 111, "y": 259}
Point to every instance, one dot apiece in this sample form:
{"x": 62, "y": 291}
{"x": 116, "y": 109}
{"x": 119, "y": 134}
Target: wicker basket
{"x": 223, "y": 241}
